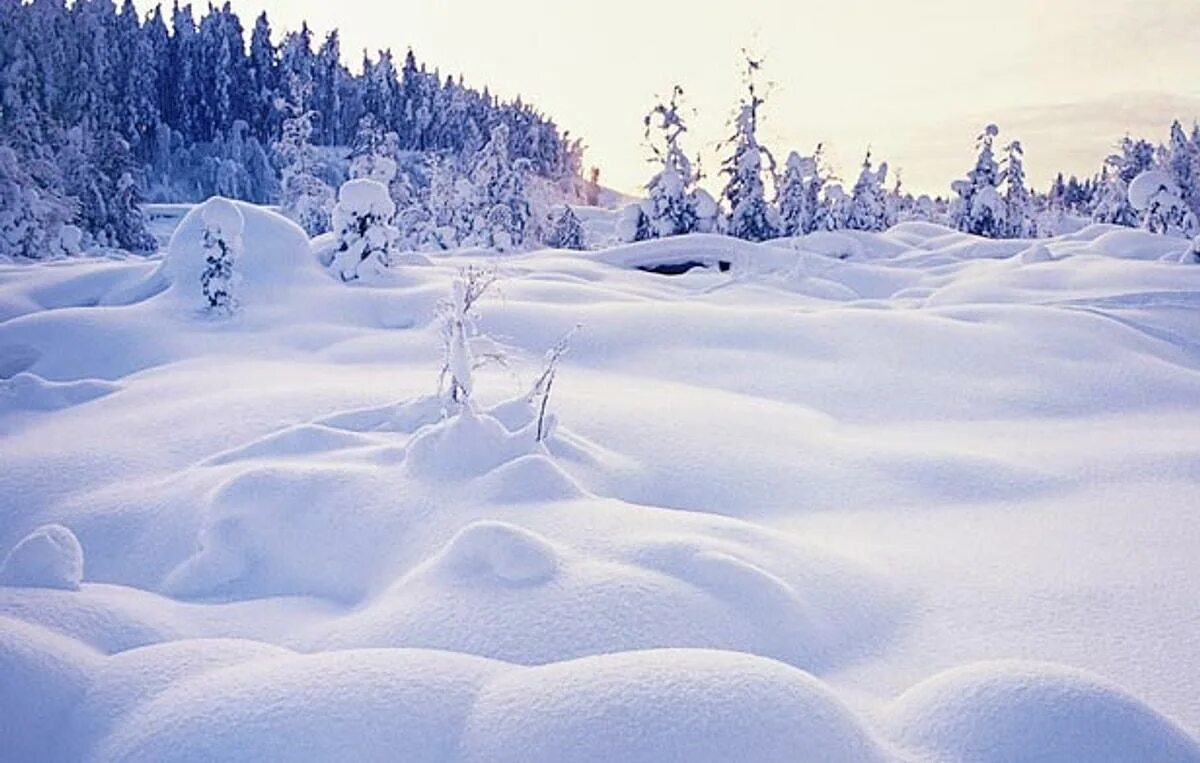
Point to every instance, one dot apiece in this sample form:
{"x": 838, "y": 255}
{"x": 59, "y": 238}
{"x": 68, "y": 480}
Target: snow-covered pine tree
{"x": 979, "y": 208}
{"x": 362, "y": 221}
{"x": 566, "y": 232}
{"x": 1112, "y": 199}
{"x": 305, "y": 197}
{"x": 868, "y": 201}
{"x": 674, "y": 206}
{"x": 33, "y": 220}
{"x": 795, "y": 214}
{"x": 223, "y": 227}
{"x": 373, "y": 155}
{"x": 750, "y": 216}
{"x": 503, "y": 213}
{"x": 834, "y": 211}
{"x": 1018, "y": 201}
{"x": 1181, "y": 158}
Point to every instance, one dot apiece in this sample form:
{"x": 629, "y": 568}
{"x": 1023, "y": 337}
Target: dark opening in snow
{"x": 679, "y": 268}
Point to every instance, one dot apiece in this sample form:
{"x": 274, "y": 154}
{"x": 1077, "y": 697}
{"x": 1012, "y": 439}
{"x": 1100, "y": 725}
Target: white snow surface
{"x": 912, "y": 496}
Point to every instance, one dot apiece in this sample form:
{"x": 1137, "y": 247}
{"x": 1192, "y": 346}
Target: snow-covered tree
{"x": 1112, "y": 200}
{"x": 362, "y": 221}
{"x": 799, "y": 197}
{"x": 1018, "y": 201}
{"x": 979, "y": 208}
{"x": 868, "y": 202}
{"x": 1181, "y": 158}
{"x": 751, "y": 217}
{"x": 834, "y": 211}
{"x": 674, "y": 205}
{"x": 374, "y": 153}
{"x": 223, "y": 226}
{"x": 306, "y": 198}
{"x": 33, "y": 220}
{"x": 566, "y": 232}
{"x": 503, "y": 212}
{"x": 1160, "y": 200}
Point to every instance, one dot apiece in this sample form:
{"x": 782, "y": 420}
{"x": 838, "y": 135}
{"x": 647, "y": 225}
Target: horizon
{"x": 922, "y": 117}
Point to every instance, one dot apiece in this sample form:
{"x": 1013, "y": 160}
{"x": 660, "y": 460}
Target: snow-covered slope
{"x": 910, "y": 496}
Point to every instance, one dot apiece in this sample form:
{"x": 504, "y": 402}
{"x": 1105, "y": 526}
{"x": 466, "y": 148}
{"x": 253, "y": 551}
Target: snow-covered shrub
{"x": 223, "y": 227}
{"x": 566, "y": 232}
{"x": 539, "y": 393}
{"x": 1159, "y": 199}
{"x": 362, "y": 221}
{"x": 49, "y": 557}
{"x": 459, "y": 329}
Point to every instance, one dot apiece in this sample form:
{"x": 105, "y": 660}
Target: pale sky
{"x": 914, "y": 79}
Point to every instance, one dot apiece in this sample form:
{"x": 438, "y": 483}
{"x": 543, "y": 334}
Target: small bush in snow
{"x": 461, "y": 353}
{"x": 223, "y": 226}
{"x": 566, "y": 232}
{"x": 539, "y": 394}
{"x": 362, "y": 221}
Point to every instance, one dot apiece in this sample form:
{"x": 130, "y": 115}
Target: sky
{"x": 914, "y": 80}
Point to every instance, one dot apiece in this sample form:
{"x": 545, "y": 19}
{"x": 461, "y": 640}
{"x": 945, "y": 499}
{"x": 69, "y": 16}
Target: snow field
{"x": 746, "y": 536}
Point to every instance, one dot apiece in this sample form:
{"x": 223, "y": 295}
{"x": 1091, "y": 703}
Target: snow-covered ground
{"x": 909, "y": 496}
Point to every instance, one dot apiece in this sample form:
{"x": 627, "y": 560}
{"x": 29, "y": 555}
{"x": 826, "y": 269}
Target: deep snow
{"x": 901, "y": 496}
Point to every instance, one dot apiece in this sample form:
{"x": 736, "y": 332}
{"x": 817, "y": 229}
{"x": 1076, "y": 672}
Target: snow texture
{"x": 797, "y": 502}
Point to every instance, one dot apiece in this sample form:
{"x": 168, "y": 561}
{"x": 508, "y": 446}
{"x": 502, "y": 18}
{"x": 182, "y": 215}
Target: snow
{"x": 49, "y": 557}
{"x": 913, "y": 495}
{"x": 1147, "y": 185}
{"x": 1033, "y": 712}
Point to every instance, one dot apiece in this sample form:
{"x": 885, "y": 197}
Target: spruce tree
{"x": 750, "y": 216}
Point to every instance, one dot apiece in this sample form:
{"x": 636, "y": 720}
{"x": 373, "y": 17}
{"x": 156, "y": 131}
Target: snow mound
{"x": 304, "y": 439}
{"x": 1144, "y": 187}
{"x": 276, "y": 253}
{"x": 133, "y": 678}
{"x": 286, "y": 529}
{"x": 1036, "y": 713}
{"x": 223, "y": 218}
{"x": 49, "y": 557}
{"x": 380, "y": 705}
{"x": 494, "y": 583}
{"x": 663, "y": 705}
{"x": 464, "y": 446}
{"x": 30, "y": 392}
{"x": 43, "y": 676}
{"x": 498, "y": 553}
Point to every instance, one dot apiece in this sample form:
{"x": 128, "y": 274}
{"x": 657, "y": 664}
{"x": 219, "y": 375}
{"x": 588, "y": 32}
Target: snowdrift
{"x": 796, "y": 500}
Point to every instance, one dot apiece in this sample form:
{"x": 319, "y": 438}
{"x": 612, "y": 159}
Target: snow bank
{"x": 1008, "y": 711}
{"x": 45, "y": 675}
{"x": 26, "y": 391}
{"x": 664, "y": 705}
{"x": 368, "y": 706}
{"x": 276, "y": 255}
{"x": 49, "y": 557}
